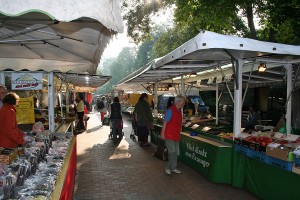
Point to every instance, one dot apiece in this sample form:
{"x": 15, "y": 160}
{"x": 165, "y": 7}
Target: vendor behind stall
{"x": 189, "y": 107}
{"x": 10, "y": 135}
{"x": 252, "y": 119}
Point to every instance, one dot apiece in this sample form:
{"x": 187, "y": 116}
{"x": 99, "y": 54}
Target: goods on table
{"x": 34, "y": 173}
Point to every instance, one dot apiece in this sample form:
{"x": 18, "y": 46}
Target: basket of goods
{"x": 8, "y": 155}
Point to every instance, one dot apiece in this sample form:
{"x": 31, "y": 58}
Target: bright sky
{"x": 116, "y": 45}
{"x": 120, "y": 41}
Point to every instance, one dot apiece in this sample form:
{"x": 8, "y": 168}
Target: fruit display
{"x": 226, "y": 135}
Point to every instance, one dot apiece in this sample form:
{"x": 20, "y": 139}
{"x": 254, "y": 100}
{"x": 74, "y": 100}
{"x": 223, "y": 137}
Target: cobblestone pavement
{"x": 127, "y": 171}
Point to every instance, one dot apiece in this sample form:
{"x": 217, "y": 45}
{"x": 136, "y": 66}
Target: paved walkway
{"x": 126, "y": 171}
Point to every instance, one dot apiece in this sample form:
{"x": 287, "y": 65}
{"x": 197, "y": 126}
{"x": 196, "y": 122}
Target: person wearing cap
{"x": 144, "y": 119}
{"x": 3, "y": 91}
{"x": 10, "y": 135}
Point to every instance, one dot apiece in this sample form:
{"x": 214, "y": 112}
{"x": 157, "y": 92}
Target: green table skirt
{"x": 265, "y": 181}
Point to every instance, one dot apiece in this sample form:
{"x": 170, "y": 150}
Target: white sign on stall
{"x": 27, "y": 81}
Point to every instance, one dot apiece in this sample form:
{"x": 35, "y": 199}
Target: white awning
{"x": 207, "y": 50}
{"x": 64, "y": 35}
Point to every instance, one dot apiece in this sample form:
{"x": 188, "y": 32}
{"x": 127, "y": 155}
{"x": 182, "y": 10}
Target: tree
{"x": 278, "y": 20}
{"x": 281, "y": 21}
{"x": 118, "y": 68}
{"x": 138, "y": 13}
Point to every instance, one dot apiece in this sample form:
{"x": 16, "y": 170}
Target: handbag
{"x": 161, "y": 151}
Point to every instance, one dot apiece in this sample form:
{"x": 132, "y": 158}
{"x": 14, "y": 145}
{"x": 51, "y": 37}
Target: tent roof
{"x": 208, "y": 50}
{"x": 83, "y": 80}
{"x": 64, "y": 35}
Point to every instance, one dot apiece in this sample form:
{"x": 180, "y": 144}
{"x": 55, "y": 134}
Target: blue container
{"x": 258, "y": 155}
{"x": 280, "y": 163}
{"x": 193, "y": 134}
{"x": 297, "y": 160}
{"x": 242, "y": 149}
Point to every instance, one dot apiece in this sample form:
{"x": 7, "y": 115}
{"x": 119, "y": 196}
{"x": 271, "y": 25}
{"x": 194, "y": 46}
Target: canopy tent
{"x": 210, "y": 50}
{"x": 84, "y": 82}
{"x": 64, "y": 35}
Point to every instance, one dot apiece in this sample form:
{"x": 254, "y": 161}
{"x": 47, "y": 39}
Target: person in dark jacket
{"x": 252, "y": 119}
{"x": 144, "y": 119}
{"x": 116, "y": 118}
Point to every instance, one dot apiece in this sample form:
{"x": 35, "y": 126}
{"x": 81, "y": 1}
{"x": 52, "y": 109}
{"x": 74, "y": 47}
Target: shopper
{"x": 170, "y": 132}
{"x": 80, "y": 113}
{"x": 102, "y": 107}
{"x": 3, "y": 91}
{"x": 116, "y": 119}
{"x": 10, "y": 135}
{"x": 144, "y": 119}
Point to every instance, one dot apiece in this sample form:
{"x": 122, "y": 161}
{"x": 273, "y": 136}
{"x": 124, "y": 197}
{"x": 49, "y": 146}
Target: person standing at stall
{"x": 80, "y": 113}
{"x": 144, "y": 119}
{"x": 10, "y": 135}
{"x": 116, "y": 118}
{"x": 3, "y": 91}
{"x": 170, "y": 132}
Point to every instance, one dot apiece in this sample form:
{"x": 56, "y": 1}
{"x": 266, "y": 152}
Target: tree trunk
{"x": 249, "y": 14}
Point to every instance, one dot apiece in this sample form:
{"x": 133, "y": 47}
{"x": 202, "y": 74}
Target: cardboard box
{"x": 296, "y": 169}
{"x": 282, "y": 153}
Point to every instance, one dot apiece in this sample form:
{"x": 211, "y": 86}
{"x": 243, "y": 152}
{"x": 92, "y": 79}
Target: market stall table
{"x": 65, "y": 182}
{"x": 210, "y": 157}
{"x": 264, "y": 180}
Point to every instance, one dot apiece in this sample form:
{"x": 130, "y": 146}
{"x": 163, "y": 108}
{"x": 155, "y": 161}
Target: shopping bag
{"x": 161, "y": 151}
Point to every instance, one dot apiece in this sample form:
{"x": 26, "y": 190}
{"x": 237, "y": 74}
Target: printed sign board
{"x": 25, "y": 111}
{"x": 27, "y": 81}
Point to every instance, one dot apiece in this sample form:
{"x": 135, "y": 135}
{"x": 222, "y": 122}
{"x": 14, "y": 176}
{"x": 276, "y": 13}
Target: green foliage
{"x": 137, "y": 15}
{"x": 279, "y": 21}
{"x": 172, "y": 39}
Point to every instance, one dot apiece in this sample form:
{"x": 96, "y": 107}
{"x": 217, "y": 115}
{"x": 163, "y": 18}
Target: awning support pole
{"x": 217, "y": 104}
{"x": 2, "y": 78}
{"x": 182, "y": 86}
{"x": 237, "y": 122}
{"x": 51, "y": 102}
{"x": 155, "y": 99}
{"x": 289, "y": 73}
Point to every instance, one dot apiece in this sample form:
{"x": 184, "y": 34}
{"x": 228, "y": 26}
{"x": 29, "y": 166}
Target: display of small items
{"x": 34, "y": 173}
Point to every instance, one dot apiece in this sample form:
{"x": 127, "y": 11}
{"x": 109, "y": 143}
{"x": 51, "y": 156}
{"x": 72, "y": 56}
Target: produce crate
{"x": 254, "y": 146}
{"x": 258, "y": 155}
{"x": 297, "y": 160}
{"x": 242, "y": 149}
{"x": 280, "y": 163}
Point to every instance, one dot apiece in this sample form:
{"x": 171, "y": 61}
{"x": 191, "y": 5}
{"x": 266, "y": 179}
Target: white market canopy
{"x": 208, "y": 50}
{"x": 64, "y": 35}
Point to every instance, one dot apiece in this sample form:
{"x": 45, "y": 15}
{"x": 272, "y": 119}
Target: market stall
{"x": 61, "y": 42}
{"x": 209, "y": 54}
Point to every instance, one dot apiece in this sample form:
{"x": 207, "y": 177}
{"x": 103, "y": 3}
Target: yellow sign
{"x": 25, "y": 111}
